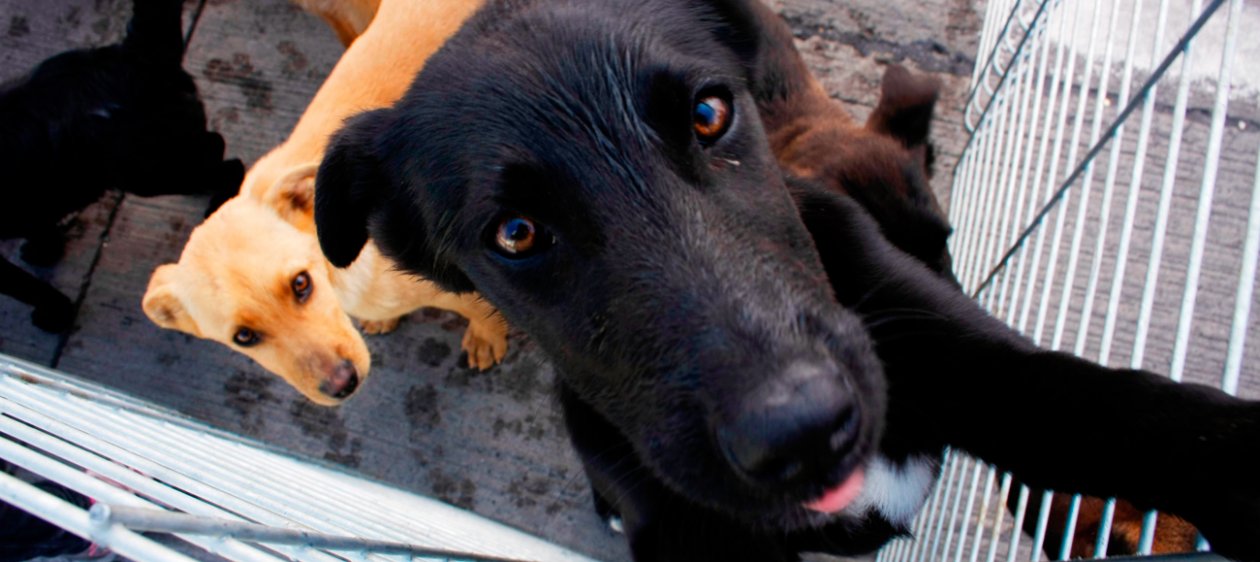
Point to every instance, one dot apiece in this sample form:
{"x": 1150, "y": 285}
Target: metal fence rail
{"x": 150, "y": 469}
{"x": 1107, "y": 204}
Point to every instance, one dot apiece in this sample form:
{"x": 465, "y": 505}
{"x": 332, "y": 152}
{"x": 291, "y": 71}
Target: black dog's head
{"x": 603, "y": 178}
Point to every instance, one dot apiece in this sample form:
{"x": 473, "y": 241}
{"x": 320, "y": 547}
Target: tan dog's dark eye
{"x": 517, "y": 236}
{"x": 302, "y": 286}
{"x": 246, "y": 337}
{"x": 710, "y": 118}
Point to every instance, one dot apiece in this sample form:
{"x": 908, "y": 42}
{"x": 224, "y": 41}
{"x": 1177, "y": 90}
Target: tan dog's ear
{"x": 163, "y": 305}
{"x": 293, "y": 196}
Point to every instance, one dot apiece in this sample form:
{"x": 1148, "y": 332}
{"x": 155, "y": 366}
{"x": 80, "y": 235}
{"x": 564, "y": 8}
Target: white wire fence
{"x": 151, "y": 470}
{"x": 1107, "y": 204}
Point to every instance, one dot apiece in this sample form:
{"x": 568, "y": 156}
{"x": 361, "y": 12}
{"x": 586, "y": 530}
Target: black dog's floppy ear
{"x": 360, "y": 194}
{"x": 763, "y": 42}
{"x": 738, "y": 26}
{"x": 348, "y": 188}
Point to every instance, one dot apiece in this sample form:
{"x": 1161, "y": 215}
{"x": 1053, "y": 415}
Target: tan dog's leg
{"x": 345, "y": 32}
{"x": 485, "y": 341}
{"x": 347, "y": 18}
{"x": 378, "y": 327}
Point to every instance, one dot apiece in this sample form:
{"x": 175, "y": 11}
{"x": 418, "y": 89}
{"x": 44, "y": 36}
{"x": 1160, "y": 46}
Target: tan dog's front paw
{"x": 485, "y": 343}
{"x": 377, "y": 327}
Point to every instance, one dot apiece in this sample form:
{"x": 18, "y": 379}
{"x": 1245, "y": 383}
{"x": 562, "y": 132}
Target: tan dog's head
{"x": 252, "y": 277}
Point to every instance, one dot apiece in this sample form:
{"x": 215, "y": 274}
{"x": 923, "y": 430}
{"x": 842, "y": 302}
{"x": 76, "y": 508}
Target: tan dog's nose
{"x": 342, "y": 382}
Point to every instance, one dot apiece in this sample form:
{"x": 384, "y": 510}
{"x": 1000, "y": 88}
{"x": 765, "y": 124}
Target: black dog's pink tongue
{"x": 839, "y": 497}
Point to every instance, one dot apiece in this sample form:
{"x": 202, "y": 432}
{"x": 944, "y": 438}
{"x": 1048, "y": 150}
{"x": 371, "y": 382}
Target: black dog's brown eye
{"x": 302, "y": 286}
{"x": 245, "y": 337}
{"x": 710, "y": 118}
{"x": 516, "y": 236}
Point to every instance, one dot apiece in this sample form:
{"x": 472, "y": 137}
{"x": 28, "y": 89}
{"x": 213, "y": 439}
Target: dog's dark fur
{"x": 954, "y": 371}
{"x": 681, "y": 295}
{"x": 126, "y": 117}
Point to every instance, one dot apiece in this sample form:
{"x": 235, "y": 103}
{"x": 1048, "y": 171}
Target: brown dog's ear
{"x": 905, "y": 106}
{"x": 350, "y": 182}
{"x": 162, "y": 303}
{"x": 293, "y": 196}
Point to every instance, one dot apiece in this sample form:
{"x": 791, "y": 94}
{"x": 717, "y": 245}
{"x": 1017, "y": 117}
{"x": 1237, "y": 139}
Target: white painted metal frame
{"x": 150, "y": 469}
{"x": 1157, "y": 273}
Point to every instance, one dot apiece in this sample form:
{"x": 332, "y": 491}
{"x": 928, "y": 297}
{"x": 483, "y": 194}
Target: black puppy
{"x": 599, "y": 170}
{"x": 126, "y": 117}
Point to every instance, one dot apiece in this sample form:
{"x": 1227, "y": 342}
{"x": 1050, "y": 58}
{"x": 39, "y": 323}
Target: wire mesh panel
{"x": 1107, "y": 204}
{"x": 149, "y": 469}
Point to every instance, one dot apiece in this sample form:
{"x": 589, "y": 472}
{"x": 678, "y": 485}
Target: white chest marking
{"x": 896, "y": 491}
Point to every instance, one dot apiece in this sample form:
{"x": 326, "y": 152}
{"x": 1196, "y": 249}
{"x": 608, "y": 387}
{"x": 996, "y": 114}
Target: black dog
{"x": 126, "y": 117}
{"x": 955, "y": 372}
{"x": 600, "y": 171}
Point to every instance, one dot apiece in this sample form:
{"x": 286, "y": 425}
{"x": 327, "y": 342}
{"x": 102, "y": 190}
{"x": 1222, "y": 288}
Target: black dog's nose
{"x": 799, "y": 424}
{"x": 342, "y": 382}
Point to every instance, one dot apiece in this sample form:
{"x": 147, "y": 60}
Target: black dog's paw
{"x": 607, "y": 513}
{"x": 217, "y": 200}
{"x": 54, "y": 316}
{"x": 229, "y": 176}
{"x": 213, "y": 147}
{"x": 1233, "y": 534}
{"x": 43, "y": 251}
{"x": 615, "y": 524}
{"x": 1226, "y": 498}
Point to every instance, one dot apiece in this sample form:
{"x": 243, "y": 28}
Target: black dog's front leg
{"x": 960, "y": 377}
{"x": 1063, "y": 423}
{"x": 44, "y": 247}
{"x": 196, "y": 159}
{"x": 228, "y": 176}
{"x": 661, "y": 526}
{"x": 218, "y": 177}
{"x": 53, "y": 311}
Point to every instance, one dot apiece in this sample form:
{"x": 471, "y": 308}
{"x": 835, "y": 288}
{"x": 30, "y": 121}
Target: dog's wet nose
{"x": 341, "y": 382}
{"x": 800, "y": 424}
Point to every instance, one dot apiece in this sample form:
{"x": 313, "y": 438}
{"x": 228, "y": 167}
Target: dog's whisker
{"x": 875, "y": 322}
{"x": 627, "y": 487}
{"x": 594, "y": 457}
{"x": 875, "y": 325}
{"x": 916, "y": 312}
{"x": 868, "y": 294}
{"x": 886, "y": 339}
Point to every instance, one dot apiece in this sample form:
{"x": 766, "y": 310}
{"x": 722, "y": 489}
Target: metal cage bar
{"x": 216, "y": 492}
{"x": 1149, "y": 261}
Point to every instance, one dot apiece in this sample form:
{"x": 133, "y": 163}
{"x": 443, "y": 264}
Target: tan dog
{"x": 347, "y": 18}
{"x": 252, "y": 276}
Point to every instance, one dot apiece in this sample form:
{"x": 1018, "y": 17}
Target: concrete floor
{"x": 490, "y": 442}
